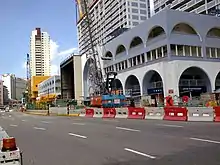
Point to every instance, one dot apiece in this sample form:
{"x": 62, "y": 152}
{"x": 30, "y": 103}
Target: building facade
{"x": 71, "y": 78}
{"x": 5, "y": 95}
{"x": 40, "y": 53}
{"x": 9, "y": 80}
{"x": 1, "y": 93}
{"x": 211, "y": 7}
{"x": 107, "y": 16}
{"x": 173, "y": 52}
{"x": 50, "y": 86}
{"x": 20, "y": 87}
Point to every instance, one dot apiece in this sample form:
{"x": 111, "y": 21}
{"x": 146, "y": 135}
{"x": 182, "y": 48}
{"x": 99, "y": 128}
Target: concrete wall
{"x": 77, "y": 77}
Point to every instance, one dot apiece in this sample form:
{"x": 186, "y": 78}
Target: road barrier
{"x": 98, "y": 112}
{"x": 109, "y": 112}
{"x": 158, "y": 113}
{"x": 154, "y": 113}
{"x": 217, "y": 114}
{"x": 136, "y": 113}
{"x": 89, "y": 112}
{"x": 200, "y": 114}
{"x": 175, "y": 113}
{"x": 121, "y": 113}
{"x": 82, "y": 113}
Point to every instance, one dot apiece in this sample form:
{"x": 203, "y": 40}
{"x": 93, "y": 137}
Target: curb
{"x": 34, "y": 113}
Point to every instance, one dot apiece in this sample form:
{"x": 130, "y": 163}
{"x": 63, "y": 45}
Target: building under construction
{"x": 71, "y": 78}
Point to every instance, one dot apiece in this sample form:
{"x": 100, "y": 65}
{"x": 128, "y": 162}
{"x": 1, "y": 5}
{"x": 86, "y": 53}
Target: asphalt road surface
{"x": 91, "y": 141}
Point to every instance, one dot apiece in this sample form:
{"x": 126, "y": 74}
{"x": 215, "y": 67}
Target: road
{"x": 51, "y": 140}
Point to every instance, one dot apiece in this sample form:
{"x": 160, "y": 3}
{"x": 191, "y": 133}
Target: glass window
{"x": 143, "y": 12}
{"x": 159, "y": 52}
{"x": 135, "y": 17}
{"x": 180, "y": 50}
{"x": 218, "y": 52}
{"x": 134, "y": 10}
{"x": 154, "y": 55}
{"x": 142, "y": 5}
{"x": 194, "y": 52}
{"x": 173, "y": 49}
{"x": 134, "y": 4}
{"x": 148, "y": 56}
{"x": 187, "y": 50}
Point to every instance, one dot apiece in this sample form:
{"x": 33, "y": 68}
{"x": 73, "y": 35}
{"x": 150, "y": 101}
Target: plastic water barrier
{"x": 89, "y": 112}
{"x": 136, "y": 113}
{"x": 98, "y": 112}
{"x": 175, "y": 113}
{"x": 109, "y": 112}
{"x": 82, "y": 113}
{"x": 154, "y": 113}
{"x": 200, "y": 114}
{"x": 121, "y": 113}
{"x": 217, "y": 114}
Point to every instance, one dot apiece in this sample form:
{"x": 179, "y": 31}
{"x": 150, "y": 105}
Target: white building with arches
{"x": 172, "y": 52}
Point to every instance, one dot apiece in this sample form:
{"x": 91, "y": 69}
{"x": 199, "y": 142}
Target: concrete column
{"x": 162, "y": 51}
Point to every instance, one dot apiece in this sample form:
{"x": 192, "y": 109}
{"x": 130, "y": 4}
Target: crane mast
{"x": 28, "y": 95}
{"x": 95, "y": 71}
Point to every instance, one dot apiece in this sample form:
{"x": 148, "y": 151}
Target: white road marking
{"x": 167, "y": 125}
{"x": 205, "y": 140}
{"x": 140, "y": 153}
{"x": 23, "y": 120}
{"x": 13, "y": 125}
{"x": 80, "y": 136}
{"x": 128, "y": 129}
{"x": 46, "y": 122}
{"x": 9, "y": 116}
{"x": 79, "y": 123}
{"x": 39, "y": 128}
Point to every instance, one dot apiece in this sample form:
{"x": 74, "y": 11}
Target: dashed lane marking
{"x": 167, "y": 125}
{"x": 140, "y": 153}
{"x": 76, "y": 135}
{"x": 46, "y": 122}
{"x": 78, "y": 123}
{"x": 128, "y": 129}
{"x": 37, "y": 128}
{"x": 205, "y": 140}
{"x": 13, "y": 125}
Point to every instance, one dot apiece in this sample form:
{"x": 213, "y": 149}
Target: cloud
{"x": 24, "y": 65}
{"x": 58, "y": 56}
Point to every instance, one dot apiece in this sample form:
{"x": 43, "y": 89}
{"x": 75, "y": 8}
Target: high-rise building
{"x": 109, "y": 18}
{"x": 211, "y": 7}
{"x": 15, "y": 86}
{"x": 9, "y": 80}
{"x": 20, "y": 85}
{"x": 40, "y": 53}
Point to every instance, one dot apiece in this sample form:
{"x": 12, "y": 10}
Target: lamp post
{"x": 48, "y": 105}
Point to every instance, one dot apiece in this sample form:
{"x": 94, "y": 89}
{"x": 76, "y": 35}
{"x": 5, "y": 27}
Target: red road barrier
{"x": 89, "y": 112}
{"x": 217, "y": 114}
{"x": 136, "y": 113}
{"x": 175, "y": 113}
{"x": 109, "y": 112}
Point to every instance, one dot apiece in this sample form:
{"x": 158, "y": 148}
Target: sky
{"x": 19, "y": 17}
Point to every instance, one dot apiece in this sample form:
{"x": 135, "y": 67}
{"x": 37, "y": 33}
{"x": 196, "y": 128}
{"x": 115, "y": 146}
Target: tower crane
{"x": 28, "y": 86}
{"x": 95, "y": 72}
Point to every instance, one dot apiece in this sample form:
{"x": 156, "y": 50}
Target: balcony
{"x": 191, "y": 83}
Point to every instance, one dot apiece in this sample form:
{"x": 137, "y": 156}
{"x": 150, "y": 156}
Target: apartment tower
{"x": 40, "y": 53}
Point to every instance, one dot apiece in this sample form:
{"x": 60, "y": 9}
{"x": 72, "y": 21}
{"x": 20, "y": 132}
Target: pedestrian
{"x": 68, "y": 108}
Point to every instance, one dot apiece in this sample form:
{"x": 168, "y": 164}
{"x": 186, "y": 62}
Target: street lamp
{"x": 48, "y": 106}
